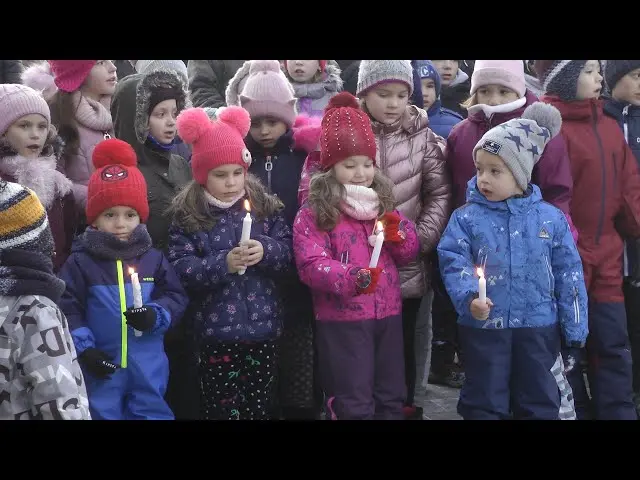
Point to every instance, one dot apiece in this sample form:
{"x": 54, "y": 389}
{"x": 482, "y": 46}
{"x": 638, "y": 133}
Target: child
{"x": 144, "y": 109}
{"x": 126, "y": 369}
{"x": 455, "y": 84}
{"x": 80, "y": 112}
{"x": 511, "y": 340}
{"x": 277, "y": 161}
{"x": 232, "y": 284}
{"x": 314, "y": 82}
{"x": 441, "y": 120}
{"x": 41, "y": 378}
{"x": 357, "y": 306}
{"x": 605, "y": 205}
{"x": 623, "y": 79}
{"x": 27, "y": 157}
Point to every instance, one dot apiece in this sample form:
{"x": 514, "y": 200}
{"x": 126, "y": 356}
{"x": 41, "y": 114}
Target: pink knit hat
{"x": 215, "y": 143}
{"x": 267, "y": 92}
{"x": 69, "y": 74}
{"x": 17, "y": 101}
{"x": 508, "y": 73}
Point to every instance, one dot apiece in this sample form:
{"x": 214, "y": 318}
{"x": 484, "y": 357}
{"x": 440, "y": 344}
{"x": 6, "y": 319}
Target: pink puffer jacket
{"x": 329, "y": 261}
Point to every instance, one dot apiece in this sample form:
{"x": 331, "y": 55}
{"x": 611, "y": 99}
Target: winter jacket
{"x": 412, "y": 156}
{"x": 628, "y": 118}
{"x": 208, "y": 80}
{"x": 442, "y": 120}
{"x": 349, "y": 74}
{"x": 98, "y": 290}
{"x": 10, "y": 71}
{"x": 314, "y": 97}
{"x": 533, "y": 272}
{"x": 231, "y": 307}
{"x": 606, "y": 190}
{"x": 164, "y": 172}
{"x": 456, "y": 93}
{"x": 552, "y": 173}
{"x": 329, "y": 261}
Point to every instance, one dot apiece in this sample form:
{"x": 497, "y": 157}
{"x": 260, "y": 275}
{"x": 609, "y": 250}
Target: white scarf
{"x": 489, "y": 110}
{"x": 38, "y": 174}
{"x": 361, "y": 203}
{"x": 219, "y": 203}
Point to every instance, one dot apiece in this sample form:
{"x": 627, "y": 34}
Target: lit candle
{"x": 137, "y": 294}
{"x": 246, "y": 229}
{"x": 375, "y": 256}
{"x": 482, "y": 286}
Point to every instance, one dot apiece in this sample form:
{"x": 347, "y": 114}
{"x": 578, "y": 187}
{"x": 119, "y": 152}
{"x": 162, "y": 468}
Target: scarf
{"x": 108, "y": 247}
{"x": 155, "y": 144}
{"x": 211, "y": 200}
{"x": 38, "y": 174}
{"x": 489, "y": 110}
{"x": 361, "y": 203}
{"x": 26, "y": 272}
{"x": 92, "y": 114}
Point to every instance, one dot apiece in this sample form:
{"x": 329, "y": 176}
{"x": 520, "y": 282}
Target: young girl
{"x": 606, "y": 205}
{"x": 41, "y": 378}
{"x": 27, "y": 157}
{"x": 80, "y": 112}
{"x": 231, "y": 283}
{"x": 533, "y": 279}
{"x": 314, "y": 82}
{"x": 357, "y": 305}
{"x": 120, "y": 343}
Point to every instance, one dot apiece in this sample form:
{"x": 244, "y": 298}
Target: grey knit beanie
{"x": 560, "y": 77}
{"x": 147, "y": 66}
{"x": 374, "y": 72}
{"x": 616, "y": 69}
{"x": 521, "y": 141}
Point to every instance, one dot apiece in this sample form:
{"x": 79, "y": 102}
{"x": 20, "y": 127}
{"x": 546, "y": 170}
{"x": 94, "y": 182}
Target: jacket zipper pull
{"x": 268, "y": 166}
{"x": 107, "y": 136}
{"x": 625, "y": 127}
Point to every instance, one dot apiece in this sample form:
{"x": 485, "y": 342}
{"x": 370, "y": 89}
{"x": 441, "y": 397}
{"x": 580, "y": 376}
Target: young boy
{"x": 121, "y": 294}
{"x": 532, "y": 274}
{"x": 41, "y": 378}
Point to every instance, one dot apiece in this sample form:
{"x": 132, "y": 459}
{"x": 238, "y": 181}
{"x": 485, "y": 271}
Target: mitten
{"x": 97, "y": 362}
{"x": 393, "y": 231}
{"x": 367, "y": 279}
{"x": 142, "y": 319}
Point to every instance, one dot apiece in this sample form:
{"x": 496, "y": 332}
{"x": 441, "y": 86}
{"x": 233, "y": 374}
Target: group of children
{"x": 284, "y": 263}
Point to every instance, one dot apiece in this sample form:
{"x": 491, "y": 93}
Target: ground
{"x": 438, "y": 402}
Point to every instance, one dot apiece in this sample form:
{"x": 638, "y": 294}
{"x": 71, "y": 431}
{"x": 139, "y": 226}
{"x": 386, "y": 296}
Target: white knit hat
{"x": 146, "y": 66}
{"x": 373, "y": 72}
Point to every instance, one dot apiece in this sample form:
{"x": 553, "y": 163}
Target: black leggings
{"x": 410, "y": 308}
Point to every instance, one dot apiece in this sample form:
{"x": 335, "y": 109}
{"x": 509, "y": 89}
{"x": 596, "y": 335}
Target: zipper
{"x": 123, "y": 320}
{"x": 383, "y": 159}
{"x": 268, "y": 166}
{"x": 594, "y": 124}
{"x": 625, "y": 126}
{"x": 549, "y": 276}
{"x": 576, "y": 307}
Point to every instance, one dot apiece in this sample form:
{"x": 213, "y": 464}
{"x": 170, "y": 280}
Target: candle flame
{"x": 379, "y": 227}
{"x": 131, "y": 271}
{"x": 480, "y": 272}
{"x": 247, "y": 206}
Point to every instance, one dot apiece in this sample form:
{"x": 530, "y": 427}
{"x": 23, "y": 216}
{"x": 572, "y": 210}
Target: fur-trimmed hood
{"x": 331, "y": 82}
{"x": 39, "y": 77}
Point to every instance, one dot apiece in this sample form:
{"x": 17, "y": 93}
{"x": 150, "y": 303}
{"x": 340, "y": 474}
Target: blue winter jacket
{"x": 98, "y": 291}
{"x": 231, "y": 307}
{"x": 533, "y": 270}
{"x": 628, "y": 117}
{"x": 442, "y": 120}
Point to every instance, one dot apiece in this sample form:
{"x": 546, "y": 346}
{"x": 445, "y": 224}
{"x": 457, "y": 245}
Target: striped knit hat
{"x": 560, "y": 77}
{"x": 23, "y": 220}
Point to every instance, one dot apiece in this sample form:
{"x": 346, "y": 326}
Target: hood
{"x": 533, "y": 84}
{"x": 461, "y": 77}
{"x": 39, "y": 77}
{"x": 514, "y": 204}
{"x": 576, "y": 110}
{"x": 236, "y": 84}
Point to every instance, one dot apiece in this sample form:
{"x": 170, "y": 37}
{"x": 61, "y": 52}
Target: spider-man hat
{"x": 116, "y": 181}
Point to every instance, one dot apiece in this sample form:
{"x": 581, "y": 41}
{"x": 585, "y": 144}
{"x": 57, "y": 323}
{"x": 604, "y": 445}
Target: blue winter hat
{"x": 427, "y": 70}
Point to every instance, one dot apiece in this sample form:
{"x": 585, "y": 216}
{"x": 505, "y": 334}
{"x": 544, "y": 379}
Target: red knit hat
{"x": 322, "y": 63}
{"x": 116, "y": 181}
{"x": 215, "y": 143}
{"x": 346, "y": 131}
{"x": 69, "y": 74}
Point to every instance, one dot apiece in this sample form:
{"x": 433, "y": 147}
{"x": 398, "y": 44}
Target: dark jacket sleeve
{"x": 11, "y": 71}
{"x": 73, "y": 304}
{"x": 169, "y": 295}
{"x": 278, "y": 248}
{"x": 349, "y": 73}
{"x": 204, "y": 83}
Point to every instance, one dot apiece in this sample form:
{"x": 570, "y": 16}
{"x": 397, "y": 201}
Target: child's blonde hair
{"x": 470, "y": 102}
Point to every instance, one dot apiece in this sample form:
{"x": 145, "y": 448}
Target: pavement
{"x": 438, "y": 402}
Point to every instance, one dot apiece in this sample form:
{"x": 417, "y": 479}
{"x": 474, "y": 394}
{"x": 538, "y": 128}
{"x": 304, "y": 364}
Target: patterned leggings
{"x": 238, "y": 380}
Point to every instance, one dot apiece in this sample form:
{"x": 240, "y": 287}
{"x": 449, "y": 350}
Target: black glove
{"x": 97, "y": 362}
{"x": 572, "y": 358}
{"x": 142, "y": 319}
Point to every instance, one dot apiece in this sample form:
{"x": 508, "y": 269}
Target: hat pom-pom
{"x": 545, "y": 115}
{"x": 114, "y": 151}
{"x": 264, "y": 66}
{"x": 238, "y": 117}
{"x": 343, "y": 99}
{"x": 192, "y": 123}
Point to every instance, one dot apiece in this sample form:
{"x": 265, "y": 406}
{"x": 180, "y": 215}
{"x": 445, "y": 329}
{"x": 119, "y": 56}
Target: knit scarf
{"x": 92, "y": 114}
{"x": 219, "y": 203}
{"x": 361, "y": 203}
{"x": 109, "y": 247}
{"x": 26, "y": 272}
{"x": 38, "y": 174}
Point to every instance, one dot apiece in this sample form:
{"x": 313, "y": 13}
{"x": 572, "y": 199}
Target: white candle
{"x": 375, "y": 256}
{"x": 482, "y": 286}
{"x": 246, "y": 229}
{"x": 137, "y": 294}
